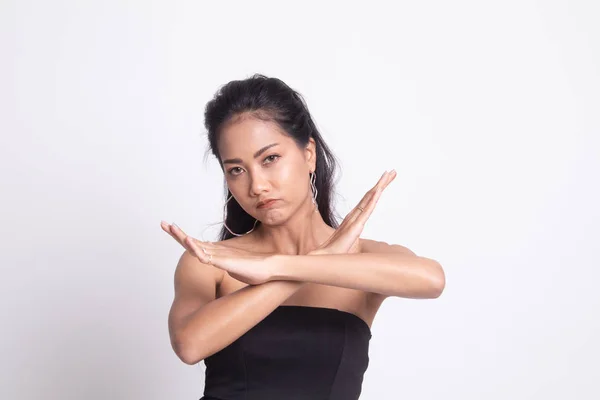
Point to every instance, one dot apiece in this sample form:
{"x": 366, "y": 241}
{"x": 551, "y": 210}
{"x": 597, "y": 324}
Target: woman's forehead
{"x": 249, "y": 135}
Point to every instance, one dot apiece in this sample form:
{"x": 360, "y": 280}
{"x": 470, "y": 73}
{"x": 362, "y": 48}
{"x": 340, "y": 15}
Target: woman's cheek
{"x": 285, "y": 174}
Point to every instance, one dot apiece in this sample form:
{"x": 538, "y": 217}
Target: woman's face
{"x": 261, "y": 163}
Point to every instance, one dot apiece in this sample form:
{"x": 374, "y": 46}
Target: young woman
{"x": 282, "y": 306}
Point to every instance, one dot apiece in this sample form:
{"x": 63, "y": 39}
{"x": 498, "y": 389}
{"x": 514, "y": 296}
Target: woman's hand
{"x": 245, "y": 266}
{"x": 254, "y": 268}
{"x": 345, "y": 239}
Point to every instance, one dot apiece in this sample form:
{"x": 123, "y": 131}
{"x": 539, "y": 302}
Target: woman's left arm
{"x": 390, "y": 270}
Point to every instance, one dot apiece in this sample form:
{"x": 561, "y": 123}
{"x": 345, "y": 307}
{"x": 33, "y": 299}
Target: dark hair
{"x": 270, "y": 99}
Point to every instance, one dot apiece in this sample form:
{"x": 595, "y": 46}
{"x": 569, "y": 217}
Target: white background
{"x": 487, "y": 110}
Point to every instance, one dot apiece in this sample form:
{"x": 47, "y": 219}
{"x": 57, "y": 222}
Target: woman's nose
{"x": 258, "y": 185}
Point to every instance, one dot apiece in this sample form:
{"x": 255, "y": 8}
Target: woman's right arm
{"x": 200, "y": 324}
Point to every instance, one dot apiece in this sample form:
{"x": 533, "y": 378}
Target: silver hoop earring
{"x": 225, "y": 218}
{"x": 313, "y": 187}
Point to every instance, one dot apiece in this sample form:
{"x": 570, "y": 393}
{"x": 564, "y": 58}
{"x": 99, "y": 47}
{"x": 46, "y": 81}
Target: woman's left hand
{"x": 245, "y": 266}
{"x": 345, "y": 239}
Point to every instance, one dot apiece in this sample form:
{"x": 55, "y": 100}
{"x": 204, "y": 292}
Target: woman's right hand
{"x": 345, "y": 239}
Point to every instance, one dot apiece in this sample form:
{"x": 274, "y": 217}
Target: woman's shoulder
{"x": 238, "y": 242}
{"x": 377, "y": 246}
{"x": 191, "y": 272}
{"x": 245, "y": 243}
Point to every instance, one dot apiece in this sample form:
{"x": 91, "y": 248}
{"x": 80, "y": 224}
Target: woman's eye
{"x": 268, "y": 160}
{"x": 271, "y": 158}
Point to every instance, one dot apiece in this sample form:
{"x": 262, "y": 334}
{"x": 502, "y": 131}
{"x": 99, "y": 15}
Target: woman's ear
{"x": 311, "y": 154}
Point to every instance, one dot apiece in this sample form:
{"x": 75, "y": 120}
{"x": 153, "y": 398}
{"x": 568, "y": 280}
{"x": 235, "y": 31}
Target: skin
{"x": 223, "y": 289}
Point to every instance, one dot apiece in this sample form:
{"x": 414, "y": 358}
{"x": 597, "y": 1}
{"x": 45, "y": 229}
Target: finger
{"x": 364, "y": 209}
{"x": 362, "y": 203}
{"x": 170, "y": 230}
{"x": 368, "y": 210}
{"x": 382, "y": 183}
{"x": 167, "y": 228}
{"x": 177, "y": 234}
{"x": 378, "y": 191}
{"x": 369, "y": 195}
{"x": 182, "y": 237}
{"x": 201, "y": 253}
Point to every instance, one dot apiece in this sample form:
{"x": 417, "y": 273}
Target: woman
{"x": 282, "y": 306}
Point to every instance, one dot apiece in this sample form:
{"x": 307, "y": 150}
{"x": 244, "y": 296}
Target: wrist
{"x": 278, "y": 269}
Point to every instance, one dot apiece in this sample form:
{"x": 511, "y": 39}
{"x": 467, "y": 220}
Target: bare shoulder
{"x": 376, "y": 246}
{"x": 192, "y": 273}
{"x": 190, "y": 270}
{"x": 240, "y": 242}
{"x": 247, "y": 242}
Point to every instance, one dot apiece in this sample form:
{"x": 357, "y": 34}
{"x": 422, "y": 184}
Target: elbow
{"x": 428, "y": 282}
{"x": 187, "y": 351}
{"x": 438, "y": 280}
{"x": 189, "y": 358}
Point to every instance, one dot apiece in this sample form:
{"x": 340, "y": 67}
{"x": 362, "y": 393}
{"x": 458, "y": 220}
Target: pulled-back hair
{"x": 269, "y": 99}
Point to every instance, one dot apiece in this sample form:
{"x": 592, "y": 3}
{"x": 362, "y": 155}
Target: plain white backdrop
{"x": 487, "y": 110}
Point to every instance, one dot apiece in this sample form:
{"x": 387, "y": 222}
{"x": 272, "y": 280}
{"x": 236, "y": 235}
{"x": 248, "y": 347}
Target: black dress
{"x": 295, "y": 353}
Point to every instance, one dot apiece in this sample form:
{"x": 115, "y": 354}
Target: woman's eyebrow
{"x": 257, "y": 154}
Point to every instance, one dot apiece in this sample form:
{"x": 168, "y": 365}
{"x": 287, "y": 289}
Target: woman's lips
{"x": 267, "y": 204}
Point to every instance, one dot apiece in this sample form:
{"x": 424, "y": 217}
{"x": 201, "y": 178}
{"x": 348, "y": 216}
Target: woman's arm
{"x": 200, "y": 325}
{"x": 390, "y": 270}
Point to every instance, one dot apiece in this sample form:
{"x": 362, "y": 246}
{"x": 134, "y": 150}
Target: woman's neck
{"x": 299, "y": 235}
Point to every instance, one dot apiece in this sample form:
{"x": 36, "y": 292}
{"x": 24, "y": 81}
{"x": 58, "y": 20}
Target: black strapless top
{"x": 295, "y": 353}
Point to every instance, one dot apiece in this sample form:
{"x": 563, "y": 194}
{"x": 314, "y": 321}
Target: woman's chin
{"x": 272, "y": 217}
